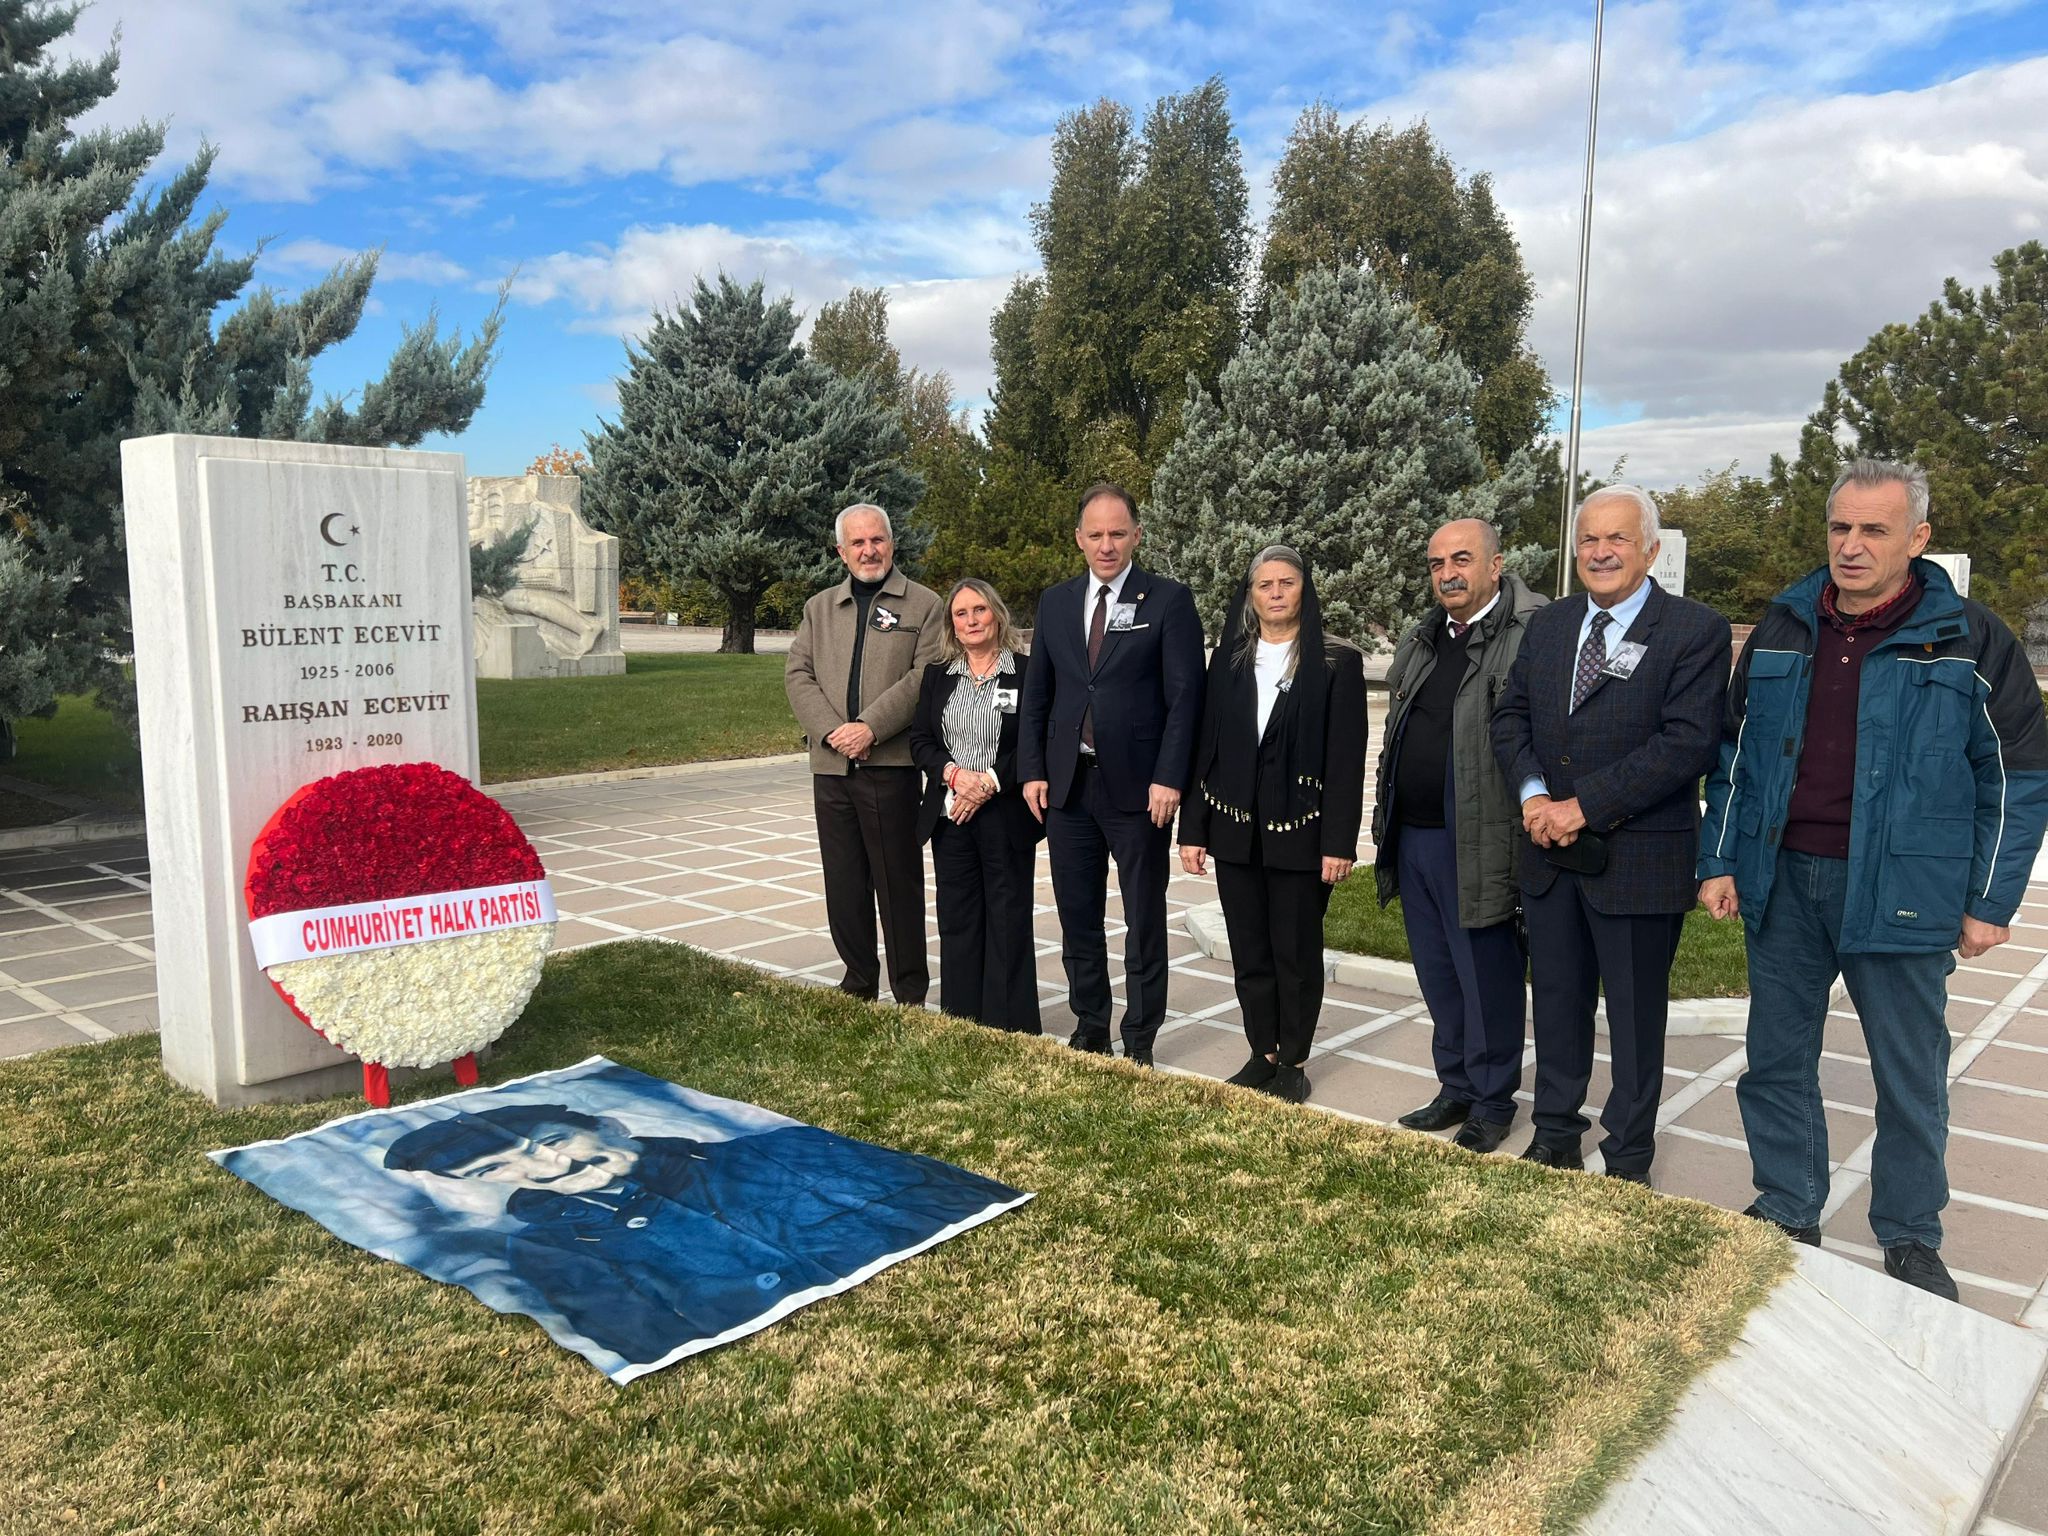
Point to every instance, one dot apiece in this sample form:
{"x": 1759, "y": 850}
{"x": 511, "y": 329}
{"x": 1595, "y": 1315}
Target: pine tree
{"x": 733, "y": 450}
{"x": 107, "y": 303}
{"x": 1348, "y": 194}
{"x": 1346, "y": 430}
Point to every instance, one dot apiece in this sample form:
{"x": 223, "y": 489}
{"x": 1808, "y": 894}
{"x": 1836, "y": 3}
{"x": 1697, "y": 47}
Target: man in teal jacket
{"x": 1880, "y": 798}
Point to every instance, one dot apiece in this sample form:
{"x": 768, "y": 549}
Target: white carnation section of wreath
{"x": 417, "y": 1005}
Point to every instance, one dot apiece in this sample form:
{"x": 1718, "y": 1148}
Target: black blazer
{"x": 1146, "y": 689}
{"x": 1632, "y": 753}
{"x": 1334, "y": 833}
{"x": 928, "y": 751}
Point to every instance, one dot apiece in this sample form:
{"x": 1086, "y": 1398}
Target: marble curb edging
{"x": 1689, "y": 1016}
{"x": 73, "y": 830}
{"x": 1852, "y": 1405}
{"x": 651, "y": 771}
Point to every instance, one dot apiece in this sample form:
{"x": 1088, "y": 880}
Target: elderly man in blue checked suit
{"x": 1611, "y": 716}
{"x": 1880, "y": 799}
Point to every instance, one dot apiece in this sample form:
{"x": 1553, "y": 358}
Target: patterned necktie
{"x": 1096, "y": 625}
{"x": 1458, "y": 629}
{"x": 1592, "y": 657}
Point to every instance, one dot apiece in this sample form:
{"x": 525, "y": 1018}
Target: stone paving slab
{"x": 724, "y": 856}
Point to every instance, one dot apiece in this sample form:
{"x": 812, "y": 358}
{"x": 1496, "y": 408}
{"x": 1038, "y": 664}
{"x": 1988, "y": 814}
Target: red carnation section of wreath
{"x": 379, "y": 834}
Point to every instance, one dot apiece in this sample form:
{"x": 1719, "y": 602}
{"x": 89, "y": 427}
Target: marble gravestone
{"x": 299, "y": 610}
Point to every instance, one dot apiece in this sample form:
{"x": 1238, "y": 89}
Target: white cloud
{"x": 1733, "y": 273}
{"x": 300, "y": 94}
{"x": 937, "y": 323}
{"x": 1668, "y": 451}
{"x": 311, "y": 256}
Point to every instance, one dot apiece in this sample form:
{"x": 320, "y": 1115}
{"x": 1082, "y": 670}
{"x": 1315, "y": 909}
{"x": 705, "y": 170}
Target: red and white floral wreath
{"x": 401, "y": 913}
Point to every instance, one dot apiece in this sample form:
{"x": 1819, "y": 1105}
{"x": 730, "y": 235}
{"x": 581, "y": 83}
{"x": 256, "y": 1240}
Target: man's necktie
{"x": 1592, "y": 657}
{"x": 1458, "y": 630}
{"x": 1097, "y": 623}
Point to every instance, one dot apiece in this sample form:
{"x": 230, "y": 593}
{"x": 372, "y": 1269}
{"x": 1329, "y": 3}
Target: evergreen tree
{"x": 1345, "y": 430}
{"x": 733, "y": 450}
{"x": 1145, "y": 244}
{"x": 107, "y": 303}
{"x": 1348, "y": 194}
{"x": 851, "y": 337}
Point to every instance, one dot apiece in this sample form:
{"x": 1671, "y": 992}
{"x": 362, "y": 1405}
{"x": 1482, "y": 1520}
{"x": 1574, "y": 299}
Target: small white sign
{"x": 1668, "y": 569}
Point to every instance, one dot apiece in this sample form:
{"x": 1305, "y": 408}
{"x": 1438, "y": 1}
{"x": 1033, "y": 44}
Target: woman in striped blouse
{"x": 984, "y": 839}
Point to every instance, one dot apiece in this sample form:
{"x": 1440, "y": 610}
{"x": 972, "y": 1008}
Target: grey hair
{"x": 1886, "y": 472}
{"x": 1646, "y": 509}
{"x": 1248, "y": 647}
{"x": 839, "y": 522}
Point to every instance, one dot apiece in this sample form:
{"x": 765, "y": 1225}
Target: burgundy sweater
{"x": 1817, "y": 821}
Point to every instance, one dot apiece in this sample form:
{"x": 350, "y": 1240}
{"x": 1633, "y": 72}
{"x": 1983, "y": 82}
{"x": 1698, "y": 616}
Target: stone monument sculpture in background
{"x": 561, "y": 618}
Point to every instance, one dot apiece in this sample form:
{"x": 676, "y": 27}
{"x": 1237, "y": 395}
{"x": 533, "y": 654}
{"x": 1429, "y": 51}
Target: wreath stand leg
{"x": 377, "y": 1084}
{"x": 465, "y": 1069}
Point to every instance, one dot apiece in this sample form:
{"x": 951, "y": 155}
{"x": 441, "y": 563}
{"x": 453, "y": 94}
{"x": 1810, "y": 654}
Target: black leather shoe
{"x": 1807, "y": 1235}
{"x": 1918, "y": 1264}
{"x": 1289, "y": 1084}
{"x": 1138, "y": 1058}
{"x": 1439, "y": 1114}
{"x": 1255, "y": 1073}
{"x": 1554, "y": 1154}
{"x": 1481, "y": 1135}
{"x": 1094, "y": 1045}
{"x": 1630, "y": 1175}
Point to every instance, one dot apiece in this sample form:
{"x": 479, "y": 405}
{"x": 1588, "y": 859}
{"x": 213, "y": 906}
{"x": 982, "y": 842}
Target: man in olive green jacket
{"x": 1444, "y": 830}
{"x": 852, "y": 679}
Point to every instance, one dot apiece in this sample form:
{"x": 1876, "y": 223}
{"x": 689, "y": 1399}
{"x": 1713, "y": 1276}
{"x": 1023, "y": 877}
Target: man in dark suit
{"x": 1105, "y": 745}
{"x": 1611, "y": 715}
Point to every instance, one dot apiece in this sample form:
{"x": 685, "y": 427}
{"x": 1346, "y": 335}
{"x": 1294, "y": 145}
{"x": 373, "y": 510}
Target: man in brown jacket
{"x": 852, "y": 681}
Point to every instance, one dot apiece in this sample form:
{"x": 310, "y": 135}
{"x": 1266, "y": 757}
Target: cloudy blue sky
{"x": 1777, "y": 180}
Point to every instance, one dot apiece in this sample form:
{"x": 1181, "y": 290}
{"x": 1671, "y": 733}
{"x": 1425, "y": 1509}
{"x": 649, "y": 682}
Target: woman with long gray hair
{"x": 1278, "y": 796}
{"x": 984, "y": 839}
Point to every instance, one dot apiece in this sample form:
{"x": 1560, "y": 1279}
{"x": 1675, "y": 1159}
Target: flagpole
{"x": 1571, "y": 464}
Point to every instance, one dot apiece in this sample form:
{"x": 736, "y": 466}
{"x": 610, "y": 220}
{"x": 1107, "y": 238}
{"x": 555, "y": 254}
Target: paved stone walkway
{"x": 725, "y": 857}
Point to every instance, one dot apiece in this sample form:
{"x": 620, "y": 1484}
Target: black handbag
{"x": 1585, "y": 854}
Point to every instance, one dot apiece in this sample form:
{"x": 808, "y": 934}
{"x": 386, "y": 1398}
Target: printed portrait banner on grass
{"x": 635, "y": 1220}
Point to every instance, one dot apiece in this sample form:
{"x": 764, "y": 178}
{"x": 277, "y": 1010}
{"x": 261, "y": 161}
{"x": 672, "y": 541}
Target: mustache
{"x": 1454, "y": 584}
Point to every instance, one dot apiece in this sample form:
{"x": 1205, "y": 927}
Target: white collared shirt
{"x": 1492, "y": 603}
{"x": 1092, "y": 593}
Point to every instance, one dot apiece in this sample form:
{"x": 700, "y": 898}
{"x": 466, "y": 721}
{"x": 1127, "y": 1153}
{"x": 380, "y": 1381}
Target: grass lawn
{"x": 1220, "y": 1313}
{"x": 1711, "y": 960}
{"x": 82, "y": 750}
{"x": 665, "y": 709}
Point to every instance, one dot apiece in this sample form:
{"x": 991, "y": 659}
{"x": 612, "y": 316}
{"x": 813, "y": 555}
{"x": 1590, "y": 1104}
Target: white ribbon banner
{"x": 312, "y": 932}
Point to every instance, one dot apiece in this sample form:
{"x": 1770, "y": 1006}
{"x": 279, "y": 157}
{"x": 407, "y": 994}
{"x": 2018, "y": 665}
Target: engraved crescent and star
{"x": 327, "y": 529}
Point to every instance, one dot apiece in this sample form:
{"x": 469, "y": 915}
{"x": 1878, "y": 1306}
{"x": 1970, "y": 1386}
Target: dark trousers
{"x": 1081, "y": 838}
{"x": 867, "y": 843}
{"x": 1274, "y": 918}
{"x": 987, "y": 952}
{"x": 1471, "y": 978}
{"x": 1574, "y": 952}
